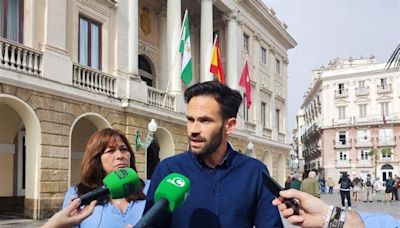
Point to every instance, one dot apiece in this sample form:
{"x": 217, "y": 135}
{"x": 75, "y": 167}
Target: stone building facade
{"x": 349, "y": 120}
{"x": 70, "y": 68}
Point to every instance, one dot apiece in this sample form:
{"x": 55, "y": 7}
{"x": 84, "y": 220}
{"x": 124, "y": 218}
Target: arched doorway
{"x": 81, "y": 130}
{"x": 162, "y": 147}
{"x": 146, "y": 70}
{"x": 386, "y": 171}
{"x": 20, "y": 144}
{"x": 153, "y": 157}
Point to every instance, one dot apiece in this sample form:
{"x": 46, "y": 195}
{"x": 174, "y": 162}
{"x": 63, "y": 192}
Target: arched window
{"x": 387, "y": 166}
{"x": 145, "y": 72}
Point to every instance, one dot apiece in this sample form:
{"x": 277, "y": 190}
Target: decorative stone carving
{"x": 145, "y": 20}
{"x": 257, "y": 36}
{"x": 232, "y": 15}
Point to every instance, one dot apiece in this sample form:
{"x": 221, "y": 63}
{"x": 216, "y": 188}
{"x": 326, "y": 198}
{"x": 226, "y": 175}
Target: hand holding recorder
{"x": 275, "y": 188}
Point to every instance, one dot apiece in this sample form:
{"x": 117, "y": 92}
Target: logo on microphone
{"x": 177, "y": 181}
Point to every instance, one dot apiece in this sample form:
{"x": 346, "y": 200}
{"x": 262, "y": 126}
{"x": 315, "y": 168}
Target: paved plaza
{"x": 331, "y": 199}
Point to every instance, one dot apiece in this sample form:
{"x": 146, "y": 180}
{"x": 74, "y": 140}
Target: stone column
{"x": 173, "y": 41}
{"x": 162, "y": 31}
{"x": 232, "y": 49}
{"x": 206, "y": 39}
{"x": 256, "y": 77}
{"x": 127, "y": 38}
{"x": 127, "y": 48}
{"x": 55, "y": 56}
{"x": 274, "y": 125}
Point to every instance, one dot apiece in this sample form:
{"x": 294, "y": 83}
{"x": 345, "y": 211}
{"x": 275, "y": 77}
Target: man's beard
{"x": 212, "y": 146}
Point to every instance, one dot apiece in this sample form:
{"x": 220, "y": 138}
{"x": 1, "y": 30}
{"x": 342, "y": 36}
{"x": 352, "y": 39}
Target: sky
{"x": 327, "y": 29}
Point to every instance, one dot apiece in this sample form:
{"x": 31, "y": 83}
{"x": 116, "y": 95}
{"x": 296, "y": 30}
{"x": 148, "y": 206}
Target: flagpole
{"x": 174, "y": 61}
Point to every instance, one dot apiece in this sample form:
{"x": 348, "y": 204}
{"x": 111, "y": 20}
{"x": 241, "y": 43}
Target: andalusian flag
{"x": 216, "y": 65}
{"x": 186, "y": 71}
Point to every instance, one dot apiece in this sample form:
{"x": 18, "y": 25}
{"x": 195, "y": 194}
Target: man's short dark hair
{"x": 228, "y": 99}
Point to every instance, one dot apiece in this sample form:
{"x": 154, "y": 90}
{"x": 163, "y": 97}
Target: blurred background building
{"x": 349, "y": 120}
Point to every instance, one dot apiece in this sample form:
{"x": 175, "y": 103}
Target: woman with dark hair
{"x": 106, "y": 151}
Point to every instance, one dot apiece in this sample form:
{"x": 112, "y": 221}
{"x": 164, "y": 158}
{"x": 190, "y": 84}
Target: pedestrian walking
{"x": 396, "y": 188}
{"x": 345, "y": 185}
{"x": 331, "y": 184}
{"x": 357, "y": 187}
{"x": 389, "y": 189}
{"x": 310, "y": 185}
{"x": 296, "y": 183}
{"x": 378, "y": 187}
{"x": 368, "y": 189}
{"x": 323, "y": 185}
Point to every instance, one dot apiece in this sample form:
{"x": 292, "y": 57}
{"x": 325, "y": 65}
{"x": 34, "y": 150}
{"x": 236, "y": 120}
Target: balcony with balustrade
{"x": 342, "y": 144}
{"x": 387, "y": 158}
{"x": 386, "y": 141}
{"x": 364, "y": 163}
{"x": 250, "y": 126}
{"x": 93, "y": 80}
{"x": 19, "y": 58}
{"x": 342, "y": 93}
{"x": 382, "y": 89}
{"x": 281, "y": 137}
{"x": 343, "y": 163}
{"x": 160, "y": 99}
{"x": 361, "y": 142}
{"x": 362, "y": 91}
{"x": 267, "y": 132}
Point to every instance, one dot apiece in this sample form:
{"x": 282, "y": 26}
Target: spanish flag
{"x": 216, "y": 65}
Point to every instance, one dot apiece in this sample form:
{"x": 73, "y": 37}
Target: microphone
{"x": 170, "y": 194}
{"x": 117, "y": 184}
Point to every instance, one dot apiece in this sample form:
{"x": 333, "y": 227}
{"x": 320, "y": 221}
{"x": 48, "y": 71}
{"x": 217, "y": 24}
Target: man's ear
{"x": 230, "y": 125}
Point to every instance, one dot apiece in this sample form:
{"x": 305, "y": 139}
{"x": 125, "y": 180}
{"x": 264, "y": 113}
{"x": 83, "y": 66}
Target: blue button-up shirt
{"x": 229, "y": 195}
{"x": 108, "y": 216}
{"x": 379, "y": 220}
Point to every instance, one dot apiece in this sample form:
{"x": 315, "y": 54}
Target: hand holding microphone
{"x": 170, "y": 194}
{"x": 117, "y": 184}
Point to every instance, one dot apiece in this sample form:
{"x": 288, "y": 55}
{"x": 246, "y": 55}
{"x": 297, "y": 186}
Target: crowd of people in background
{"x": 359, "y": 189}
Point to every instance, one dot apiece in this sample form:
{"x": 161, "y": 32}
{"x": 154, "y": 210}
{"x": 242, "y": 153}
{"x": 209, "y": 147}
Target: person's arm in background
{"x": 313, "y": 212}
{"x": 70, "y": 215}
{"x": 266, "y": 215}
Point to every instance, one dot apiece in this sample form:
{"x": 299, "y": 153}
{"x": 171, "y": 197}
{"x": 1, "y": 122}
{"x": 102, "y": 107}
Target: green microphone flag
{"x": 170, "y": 194}
{"x": 117, "y": 184}
{"x": 122, "y": 182}
{"x": 174, "y": 188}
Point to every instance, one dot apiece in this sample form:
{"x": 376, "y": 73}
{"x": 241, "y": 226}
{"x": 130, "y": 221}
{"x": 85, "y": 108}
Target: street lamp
{"x": 250, "y": 150}
{"x": 150, "y": 136}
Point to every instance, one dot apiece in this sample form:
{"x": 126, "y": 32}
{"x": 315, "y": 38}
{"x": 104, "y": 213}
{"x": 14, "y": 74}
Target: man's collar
{"x": 225, "y": 163}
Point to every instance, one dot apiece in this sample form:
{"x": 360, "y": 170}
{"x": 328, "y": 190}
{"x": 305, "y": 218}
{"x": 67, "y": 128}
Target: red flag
{"x": 245, "y": 83}
{"x": 216, "y": 65}
{"x": 384, "y": 119}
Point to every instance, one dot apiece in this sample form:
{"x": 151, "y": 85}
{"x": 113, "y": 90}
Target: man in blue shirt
{"x": 226, "y": 186}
